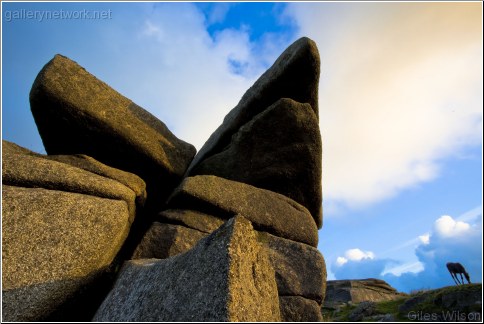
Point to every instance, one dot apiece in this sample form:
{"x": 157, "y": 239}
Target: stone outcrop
{"x": 300, "y": 268}
{"x": 280, "y": 145}
{"x": 117, "y": 223}
{"x": 267, "y": 210}
{"x": 454, "y": 301}
{"x": 357, "y": 291}
{"x": 294, "y": 75}
{"x": 192, "y": 219}
{"x": 55, "y": 246}
{"x": 225, "y": 277}
{"x": 78, "y": 114}
{"x": 299, "y": 309}
{"x": 34, "y": 171}
{"x": 165, "y": 240}
{"x": 132, "y": 181}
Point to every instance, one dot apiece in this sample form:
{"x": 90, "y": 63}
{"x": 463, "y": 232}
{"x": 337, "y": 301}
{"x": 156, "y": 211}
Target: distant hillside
{"x": 448, "y": 304}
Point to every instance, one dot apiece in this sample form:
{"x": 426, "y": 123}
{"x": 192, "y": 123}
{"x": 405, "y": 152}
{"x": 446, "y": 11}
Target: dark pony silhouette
{"x": 455, "y": 269}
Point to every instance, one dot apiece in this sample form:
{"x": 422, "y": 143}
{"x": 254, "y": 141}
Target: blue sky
{"x": 400, "y": 108}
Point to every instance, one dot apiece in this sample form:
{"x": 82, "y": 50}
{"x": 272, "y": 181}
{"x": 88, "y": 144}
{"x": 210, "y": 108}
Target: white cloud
{"x": 357, "y": 254}
{"x": 354, "y": 255}
{"x": 401, "y": 89}
{"x": 341, "y": 260}
{"x": 425, "y": 239}
{"x": 447, "y": 227}
{"x": 169, "y": 64}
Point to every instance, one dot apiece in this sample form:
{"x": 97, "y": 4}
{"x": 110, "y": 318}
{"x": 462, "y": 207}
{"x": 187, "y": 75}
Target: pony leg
{"x": 454, "y": 277}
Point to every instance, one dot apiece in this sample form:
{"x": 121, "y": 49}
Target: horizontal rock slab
{"x": 294, "y": 75}
{"x": 299, "y": 309}
{"x": 23, "y": 170}
{"x": 90, "y": 164}
{"x": 191, "y": 218}
{"x": 54, "y": 246}
{"x": 267, "y": 210}
{"x": 279, "y": 150}
{"x": 225, "y": 277}
{"x": 76, "y": 113}
{"x": 162, "y": 241}
{"x": 357, "y": 291}
{"x": 300, "y": 268}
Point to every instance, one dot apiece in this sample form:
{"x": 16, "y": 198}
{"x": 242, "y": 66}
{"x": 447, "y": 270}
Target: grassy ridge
{"x": 453, "y": 303}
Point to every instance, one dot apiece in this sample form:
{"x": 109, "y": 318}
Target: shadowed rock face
{"x": 278, "y": 150}
{"x": 267, "y": 210}
{"x": 76, "y": 113}
{"x": 299, "y": 309}
{"x": 225, "y": 277}
{"x": 295, "y": 76}
{"x": 162, "y": 241}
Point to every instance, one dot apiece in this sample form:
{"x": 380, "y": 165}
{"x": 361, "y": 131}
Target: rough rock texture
{"x": 454, "y": 300}
{"x": 268, "y": 211}
{"x": 165, "y": 240}
{"x": 54, "y": 245}
{"x": 90, "y": 164}
{"x": 356, "y": 291}
{"x": 190, "y": 218}
{"x": 364, "y": 309}
{"x": 78, "y": 114}
{"x": 294, "y": 75}
{"x": 299, "y": 309}
{"x": 87, "y": 163}
{"x": 225, "y": 277}
{"x": 300, "y": 268}
{"x": 278, "y": 147}
{"x": 24, "y": 170}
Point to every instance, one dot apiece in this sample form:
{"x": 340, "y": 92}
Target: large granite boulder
{"x": 278, "y": 150}
{"x": 130, "y": 180}
{"x": 267, "y": 210}
{"x": 225, "y": 277}
{"x": 299, "y": 309}
{"x": 57, "y": 252}
{"x": 357, "y": 291}
{"x": 255, "y": 138}
{"x": 294, "y": 75}
{"x": 78, "y": 114}
{"x": 300, "y": 268}
{"x": 34, "y": 171}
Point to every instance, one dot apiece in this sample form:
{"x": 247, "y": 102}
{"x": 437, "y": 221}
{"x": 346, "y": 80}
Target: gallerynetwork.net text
{"x": 41, "y": 15}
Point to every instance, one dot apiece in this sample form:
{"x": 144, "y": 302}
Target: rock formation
{"x": 227, "y": 235}
{"x": 78, "y": 114}
{"x": 294, "y": 75}
{"x": 225, "y": 277}
{"x": 356, "y": 291}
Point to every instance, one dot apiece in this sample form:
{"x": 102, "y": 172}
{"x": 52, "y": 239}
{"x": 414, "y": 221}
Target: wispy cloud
{"x": 187, "y": 77}
{"x": 400, "y": 90}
